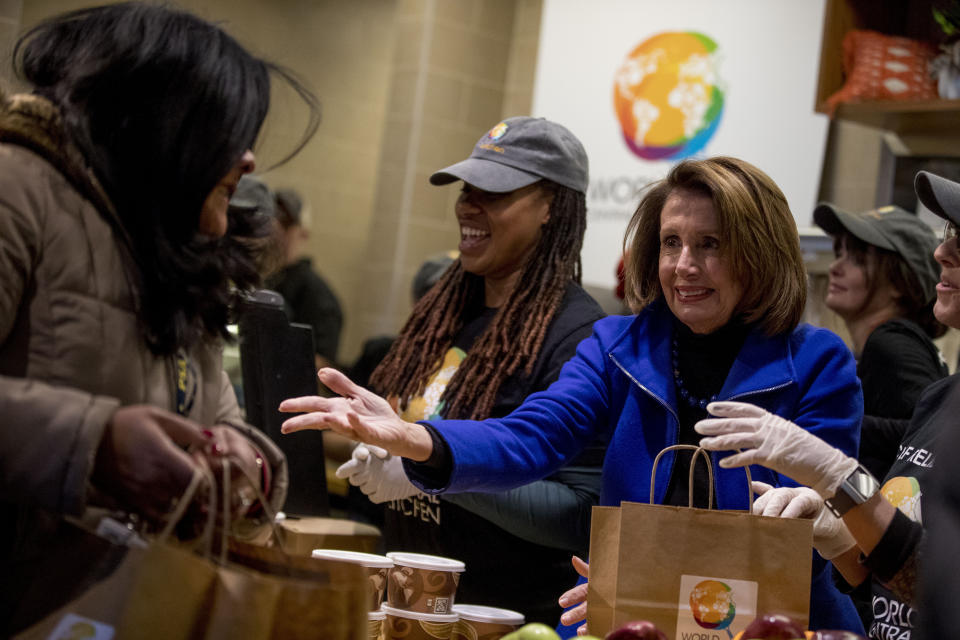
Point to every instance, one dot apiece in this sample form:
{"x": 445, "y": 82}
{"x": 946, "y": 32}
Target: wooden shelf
{"x": 911, "y": 19}
{"x": 905, "y": 117}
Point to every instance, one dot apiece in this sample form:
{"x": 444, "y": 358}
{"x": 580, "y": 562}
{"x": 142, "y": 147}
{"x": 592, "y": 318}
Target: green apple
{"x": 532, "y": 631}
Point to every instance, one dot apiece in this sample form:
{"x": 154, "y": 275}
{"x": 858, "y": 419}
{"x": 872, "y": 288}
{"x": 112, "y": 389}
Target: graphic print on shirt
{"x": 894, "y": 619}
{"x": 427, "y": 407}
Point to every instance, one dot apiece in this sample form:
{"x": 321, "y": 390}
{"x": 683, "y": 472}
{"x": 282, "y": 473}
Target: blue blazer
{"x": 620, "y": 381}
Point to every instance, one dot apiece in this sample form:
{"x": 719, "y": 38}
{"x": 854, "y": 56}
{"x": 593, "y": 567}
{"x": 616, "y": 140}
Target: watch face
{"x": 862, "y": 485}
{"x": 858, "y": 487}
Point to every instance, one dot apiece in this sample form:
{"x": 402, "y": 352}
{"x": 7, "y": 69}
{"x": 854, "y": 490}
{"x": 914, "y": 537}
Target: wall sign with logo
{"x": 647, "y": 83}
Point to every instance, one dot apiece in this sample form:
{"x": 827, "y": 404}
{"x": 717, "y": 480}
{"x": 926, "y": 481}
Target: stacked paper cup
{"x": 420, "y": 597}
{"x": 377, "y": 568}
{"x": 488, "y": 623}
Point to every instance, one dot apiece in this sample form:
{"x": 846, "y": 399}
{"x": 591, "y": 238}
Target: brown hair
{"x": 758, "y": 236}
{"x": 511, "y": 341}
{"x": 881, "y": 266}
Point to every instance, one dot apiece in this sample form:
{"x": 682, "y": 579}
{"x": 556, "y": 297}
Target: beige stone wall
{"x": 9, "y": 26}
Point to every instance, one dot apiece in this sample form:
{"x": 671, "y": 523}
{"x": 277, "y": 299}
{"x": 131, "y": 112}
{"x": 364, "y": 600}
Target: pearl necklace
{"x": 693, "y": 401}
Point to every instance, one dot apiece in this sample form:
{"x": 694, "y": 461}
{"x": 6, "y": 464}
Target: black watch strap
{"x": 856, "y": 489}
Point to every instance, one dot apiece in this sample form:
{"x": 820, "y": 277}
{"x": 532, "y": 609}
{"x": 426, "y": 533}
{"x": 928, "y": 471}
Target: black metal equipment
{"x": 276, "y": 361}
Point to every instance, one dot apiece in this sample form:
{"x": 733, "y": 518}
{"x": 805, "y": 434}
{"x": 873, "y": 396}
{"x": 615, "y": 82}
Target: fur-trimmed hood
{"x": 34, "y": 122}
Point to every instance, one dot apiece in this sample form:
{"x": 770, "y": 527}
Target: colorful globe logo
{"x": 711, "y": 603}
{"x": 497, "y": 132}
{"x": 666, "y": 95}
{"x": 904, "y": 493}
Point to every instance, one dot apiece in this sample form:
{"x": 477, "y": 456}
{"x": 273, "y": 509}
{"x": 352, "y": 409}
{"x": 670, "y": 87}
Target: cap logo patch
{"x": 877, "y": 214}
{"x": 498, "y": 131}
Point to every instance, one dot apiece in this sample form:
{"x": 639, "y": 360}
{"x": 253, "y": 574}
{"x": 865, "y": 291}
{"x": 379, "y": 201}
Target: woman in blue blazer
{"x": 715, "y": 276}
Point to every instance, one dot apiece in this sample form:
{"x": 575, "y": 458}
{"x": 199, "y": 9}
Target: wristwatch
{"x": 856, "y": 489}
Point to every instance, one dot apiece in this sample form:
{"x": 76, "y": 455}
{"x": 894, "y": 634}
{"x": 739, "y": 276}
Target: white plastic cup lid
{"x": 376, "y": 615}
{"x": 416, "y": 615}
{"x": 479, "y": 613}
{"x": 423, "y": 561}
{"x": 356, "y": 557}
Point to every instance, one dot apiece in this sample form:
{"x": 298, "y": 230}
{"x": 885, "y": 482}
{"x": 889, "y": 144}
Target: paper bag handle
{"x": 697, "y": 451}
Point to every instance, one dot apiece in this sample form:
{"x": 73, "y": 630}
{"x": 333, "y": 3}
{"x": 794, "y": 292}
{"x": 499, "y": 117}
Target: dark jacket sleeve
{"x": 321, "y": 308}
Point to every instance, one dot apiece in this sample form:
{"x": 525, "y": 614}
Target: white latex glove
{"x": 831, "y": 537}
{"x": 379, "y": 475}
{"x": 769, "y": 440}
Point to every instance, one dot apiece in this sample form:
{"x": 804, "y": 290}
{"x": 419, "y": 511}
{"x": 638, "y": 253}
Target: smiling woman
{"x": 497, "y": 327}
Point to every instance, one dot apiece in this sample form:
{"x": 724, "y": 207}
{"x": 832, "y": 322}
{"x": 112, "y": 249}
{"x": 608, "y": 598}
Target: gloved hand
{"x": 773, "y": 442}
{"x": 379, "y": 475}
{"x": 831, "y": 537}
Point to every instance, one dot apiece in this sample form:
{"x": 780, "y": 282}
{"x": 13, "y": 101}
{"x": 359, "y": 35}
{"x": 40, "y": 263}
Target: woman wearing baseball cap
{"x": 883, "y": 284}
{"x": 499, "y": 324}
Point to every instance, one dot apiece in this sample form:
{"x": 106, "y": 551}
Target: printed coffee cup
{"x": 422, "y": 583}
{"x": 375, "y": 625}
{"x": 484, "y": 623}
{"x": 375, "y": 565}
{"x": 413, "y": 625}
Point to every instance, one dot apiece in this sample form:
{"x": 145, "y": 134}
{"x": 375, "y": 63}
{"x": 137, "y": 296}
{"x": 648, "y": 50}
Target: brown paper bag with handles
{"x": 147, "y": 590}
{"x": 244, "y": 592}
{"x": 696, "y": 573}
{"x": 264, "y": 592}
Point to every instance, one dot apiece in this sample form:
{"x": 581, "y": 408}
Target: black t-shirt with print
{"x": 502, "y": 570}
{"x": 904, "y": 486}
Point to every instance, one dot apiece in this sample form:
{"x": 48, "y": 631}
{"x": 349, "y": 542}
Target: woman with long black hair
{"x": 118, "y": 271}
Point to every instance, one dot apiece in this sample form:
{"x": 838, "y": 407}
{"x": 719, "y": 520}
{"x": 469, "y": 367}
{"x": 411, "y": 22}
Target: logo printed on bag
{"x": 74, "y": 627}
{"x": 714, "y": 608}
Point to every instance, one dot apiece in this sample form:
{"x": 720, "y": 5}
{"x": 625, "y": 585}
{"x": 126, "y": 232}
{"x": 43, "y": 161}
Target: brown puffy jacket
{"x": 71, "y": 351}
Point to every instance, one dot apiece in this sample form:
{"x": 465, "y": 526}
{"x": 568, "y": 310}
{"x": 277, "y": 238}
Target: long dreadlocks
{"x": 511, "y": 341}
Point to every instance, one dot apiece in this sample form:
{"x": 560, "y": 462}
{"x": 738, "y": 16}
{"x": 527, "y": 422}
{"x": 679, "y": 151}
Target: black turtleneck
{"x": 704, "y": 361}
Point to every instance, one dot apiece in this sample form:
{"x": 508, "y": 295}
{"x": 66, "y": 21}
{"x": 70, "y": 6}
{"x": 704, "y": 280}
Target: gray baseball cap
{"x": 890, "y": 228}
{"x": 253, "y": 194}
{"x": 520, "y": 151}
{"x": 938, "y": 194}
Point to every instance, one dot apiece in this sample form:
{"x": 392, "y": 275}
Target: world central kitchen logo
{"x": 666, "y": 95}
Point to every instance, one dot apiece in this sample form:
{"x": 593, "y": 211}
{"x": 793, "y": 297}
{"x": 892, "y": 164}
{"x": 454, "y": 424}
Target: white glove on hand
{"x": 379, "y": 475}
{"x": 773, "y": 442}
{"x": 830, "y": 535}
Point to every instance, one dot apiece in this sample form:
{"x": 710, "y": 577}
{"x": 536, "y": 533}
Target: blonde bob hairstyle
{"x": 759, "y": 240}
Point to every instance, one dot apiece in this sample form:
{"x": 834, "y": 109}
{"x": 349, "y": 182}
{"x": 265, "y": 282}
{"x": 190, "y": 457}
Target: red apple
{"x": 773, "y": 626}
{"x": 637, "y": 630}
{"x": 832, "y": 634}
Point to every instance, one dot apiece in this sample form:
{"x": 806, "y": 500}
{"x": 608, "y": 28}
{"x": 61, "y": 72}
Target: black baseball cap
{"x": 518, "y": 152}
{"x": 938, "y": 194}
{"x": 890, "y": 228}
